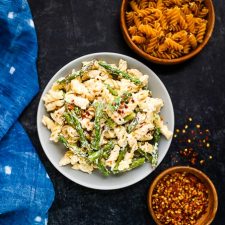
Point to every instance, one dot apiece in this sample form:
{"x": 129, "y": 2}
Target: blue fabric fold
{"x": 26, "y": 192}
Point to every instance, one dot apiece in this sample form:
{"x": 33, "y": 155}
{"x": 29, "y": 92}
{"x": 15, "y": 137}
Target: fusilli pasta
{"x": 167, "y": 29}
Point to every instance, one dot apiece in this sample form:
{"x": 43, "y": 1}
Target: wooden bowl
{"x": 133, "y": 46}
{"x": 208, "y": 217}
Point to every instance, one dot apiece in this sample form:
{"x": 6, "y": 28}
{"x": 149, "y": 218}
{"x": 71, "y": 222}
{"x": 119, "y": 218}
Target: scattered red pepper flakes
{"x": 202, "y": 161}
{"x": 193, "y": 142}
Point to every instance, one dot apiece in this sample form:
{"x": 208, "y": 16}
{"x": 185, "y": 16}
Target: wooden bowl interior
{"x": 133, "y": 46}
{"x": 208, "y": 217}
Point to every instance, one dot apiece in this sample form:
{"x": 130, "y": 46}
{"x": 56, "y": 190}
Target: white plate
{"x": 55, "y": 152}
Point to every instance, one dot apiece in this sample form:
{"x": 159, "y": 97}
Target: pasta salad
{"x": 105, "y": 117}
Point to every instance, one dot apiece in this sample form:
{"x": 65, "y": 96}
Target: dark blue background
{"x": 69, "y": 29}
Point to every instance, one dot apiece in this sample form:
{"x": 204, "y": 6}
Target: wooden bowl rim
{"x": 165, "y": 61}
{"x": 188, "y": 169}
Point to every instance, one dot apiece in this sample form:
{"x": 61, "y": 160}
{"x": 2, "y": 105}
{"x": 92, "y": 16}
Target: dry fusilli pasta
{"x": 167, "y": 29}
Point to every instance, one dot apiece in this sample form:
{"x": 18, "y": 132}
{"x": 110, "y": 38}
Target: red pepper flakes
{"x": 70, "y": 107}
{"x": 180, "y": 199}
{"x": 192, "y": 140}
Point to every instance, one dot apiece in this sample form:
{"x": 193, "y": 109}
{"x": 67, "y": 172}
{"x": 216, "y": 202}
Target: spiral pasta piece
{"x": 143, "y": 4}
{"x": 185, "y": 9}
{"x": 173, "y": 15}
{"x": 152, "y": 44}
{"x": 138, "y": 39}
{"x": 144, "y": 12}
{"x": 191, "y": 23}
{"x": 137, "y": 21}
{"x": 132, "y": 30}
{"x": 201, "y": 32}
{"x": 203, "y": 13}
{"x": 163, "y": 47}
{"x": 175, "y": 54}
{"x": 160, "y": 5}
{"x": 162, "y": 55}
{"x": 130, "y": 18}
{"x": 194, "y": 8}
{"x": 134, "y": 6}
{"x": 186, "y": 48}
{"x": 152, "y": 4}
{"x": 193, "y": 41}
{"x": 147, "y": 30}
{"x": 173, "y": 44}
{"x": 182, "y": 23}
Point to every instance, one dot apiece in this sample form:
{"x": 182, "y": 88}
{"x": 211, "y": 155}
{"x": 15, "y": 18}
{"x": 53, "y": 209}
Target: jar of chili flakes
{"x": 181, "y": 197}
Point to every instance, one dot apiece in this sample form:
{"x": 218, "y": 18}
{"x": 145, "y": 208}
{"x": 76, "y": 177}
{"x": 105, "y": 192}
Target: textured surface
{"x": 26, "y": 192}
{"x": 69, "y": 29}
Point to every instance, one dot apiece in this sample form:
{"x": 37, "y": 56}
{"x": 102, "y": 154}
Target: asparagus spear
{"x": 111, "y": 90}
{"x": 129, "y": 117}
{"x": 77, "y": 111}
{"x": 156, "y": 138}
{"x": 118, "y": 72}
{"x": 110, "y": 123}
{"x": 132, "y": 125}
{"x": 97, "y": 132}
{"x": 73, "y": 120}
{"x": 155, "y": 155}
{"x": 145, "y": 154}
{"x": 103, "y": 169}
{"x": 107, "y": 148}
{"x": 156, "y": 135}
{"x": 74, "y": 148}
{"x": 70, "y": 77}
{"x": 136, "y": 163}
{"x": 120, "y": 158}
{"x": 96, "y": 157}
{"x": 76, "y": 74}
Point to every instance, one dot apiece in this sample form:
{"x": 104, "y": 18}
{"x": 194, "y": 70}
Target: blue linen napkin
{"x": 26, "y": 192}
